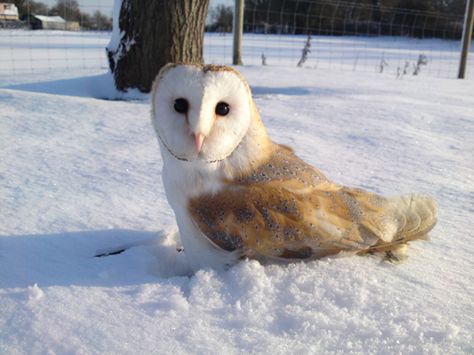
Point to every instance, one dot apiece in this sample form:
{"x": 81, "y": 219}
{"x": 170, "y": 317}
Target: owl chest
{"x": 183, "y": 183}
{"x": 180, "y": 188}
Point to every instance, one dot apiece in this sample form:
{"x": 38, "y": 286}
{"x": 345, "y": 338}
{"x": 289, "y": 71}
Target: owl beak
{"x": 198, "y": 139}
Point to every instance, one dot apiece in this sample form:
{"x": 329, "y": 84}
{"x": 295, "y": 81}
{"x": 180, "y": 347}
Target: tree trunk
{"x": 152, "y": 34}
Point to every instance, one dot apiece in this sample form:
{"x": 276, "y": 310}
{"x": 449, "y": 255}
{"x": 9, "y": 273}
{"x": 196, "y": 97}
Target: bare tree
{"x": 101, "y": 22}
{"x": 221, "y": 17}
{"x": 28, "y": 7}
{"x": 152, "y": 34}
{"x": 67, "y": 9}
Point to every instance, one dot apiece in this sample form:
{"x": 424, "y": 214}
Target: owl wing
{"x": 286, "y": 209}
{"x": 289, "y": 221}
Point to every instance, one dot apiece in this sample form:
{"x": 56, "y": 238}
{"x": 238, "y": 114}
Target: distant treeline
{"x": 67, "y": 9}
{"x": 414, "y": 18}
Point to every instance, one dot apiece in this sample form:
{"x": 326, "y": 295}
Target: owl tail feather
{"x": 412, "y": 217}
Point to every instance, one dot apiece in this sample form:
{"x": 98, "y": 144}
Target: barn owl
{"x": 236, "y": 194}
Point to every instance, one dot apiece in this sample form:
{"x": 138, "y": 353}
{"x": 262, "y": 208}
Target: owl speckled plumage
{"x": 237, "y": 194}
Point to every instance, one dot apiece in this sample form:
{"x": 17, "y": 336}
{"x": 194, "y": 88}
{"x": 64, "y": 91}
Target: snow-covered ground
{"x": 343, "y": 53}
{"x": 26, "y": 52}
{"x": 80, "y": 176}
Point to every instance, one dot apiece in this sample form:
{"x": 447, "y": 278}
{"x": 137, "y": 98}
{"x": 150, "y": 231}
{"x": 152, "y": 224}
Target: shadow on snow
{"x": 67, "y": 259}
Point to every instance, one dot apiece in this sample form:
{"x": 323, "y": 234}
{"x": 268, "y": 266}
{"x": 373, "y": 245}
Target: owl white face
{"x": 200, "y": 113}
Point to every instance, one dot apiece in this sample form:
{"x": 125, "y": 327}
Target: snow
{"x": 58, "y": 19}
{"x": 81, "y": 176}
{"x": 115, "y": 46}
{"x": 10, "y": 10}
{"x": 25, "y": 53}
{"x": 116, "y": 34}
{"x": 35, "y": 293}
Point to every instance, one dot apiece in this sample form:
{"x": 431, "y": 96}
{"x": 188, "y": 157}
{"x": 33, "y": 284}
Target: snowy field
{"x": 80, "y": 176}
{"x": 26, "y": 52}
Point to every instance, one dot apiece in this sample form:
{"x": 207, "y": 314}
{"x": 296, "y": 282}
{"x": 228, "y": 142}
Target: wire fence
{"x": 334, "y": 35}
{"x": 48, "y": 40}
{"x": 350, "y": 36}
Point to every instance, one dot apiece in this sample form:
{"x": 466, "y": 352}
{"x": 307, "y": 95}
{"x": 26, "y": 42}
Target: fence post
{"x": 238, "y": 29}
{"x": 466, "y": 37}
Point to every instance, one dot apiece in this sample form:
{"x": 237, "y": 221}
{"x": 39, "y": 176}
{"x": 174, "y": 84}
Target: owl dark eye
{"x": 222, "y": 108}
{"x": 181, "y": 105}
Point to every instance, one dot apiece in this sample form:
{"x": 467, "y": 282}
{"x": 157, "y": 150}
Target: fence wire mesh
{"x": 334, "y": 35}
{"x": 55, "y": 39}
{"x": 351, "y": 36}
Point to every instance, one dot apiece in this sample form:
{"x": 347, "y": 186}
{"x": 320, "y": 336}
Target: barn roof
{"x": 9, "y": 9}
{"x": 58, "y": 19}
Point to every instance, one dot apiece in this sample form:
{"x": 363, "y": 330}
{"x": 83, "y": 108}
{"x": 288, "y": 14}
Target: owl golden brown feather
{"x": 286, "y": 209}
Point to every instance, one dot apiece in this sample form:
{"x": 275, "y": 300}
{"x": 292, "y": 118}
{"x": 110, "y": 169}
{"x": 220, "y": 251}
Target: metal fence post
{"x": 237, "y": 31}
{"x": 466, "y": 37}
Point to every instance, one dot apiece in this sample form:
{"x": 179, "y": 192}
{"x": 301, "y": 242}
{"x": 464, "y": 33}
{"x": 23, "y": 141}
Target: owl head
{"x": 201, "y": 113}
